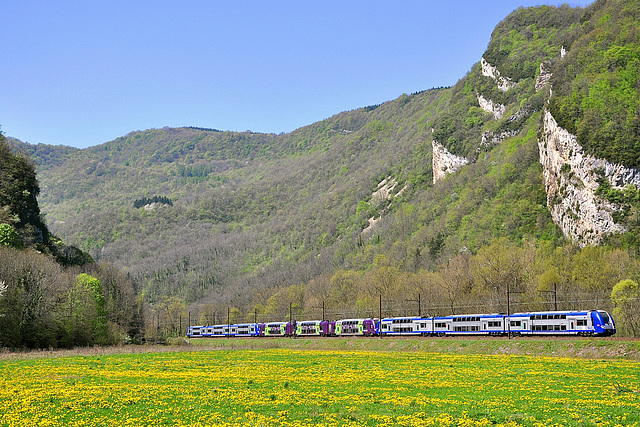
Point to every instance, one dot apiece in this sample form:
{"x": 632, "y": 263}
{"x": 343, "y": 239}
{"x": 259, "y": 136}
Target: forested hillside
{"x": 345, "y": 210}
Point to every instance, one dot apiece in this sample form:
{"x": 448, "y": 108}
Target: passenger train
{"x": 581, "y": 323}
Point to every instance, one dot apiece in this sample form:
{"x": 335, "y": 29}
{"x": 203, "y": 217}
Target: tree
{"x": 86, "y": 322}
{"x": 9, "y": 236}
{"x": 456, "y": 280}
{"x": 626, "y": 297}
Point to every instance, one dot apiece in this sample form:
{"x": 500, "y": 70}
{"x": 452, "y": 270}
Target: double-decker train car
{"x": 278, "y": 329}
{"x": 212, "y": 331}
{"x": 364, "y": 327}
{"x": 584, "y": 323}
{"x": 406, "y": 326}
{"x": 310, "y": 328}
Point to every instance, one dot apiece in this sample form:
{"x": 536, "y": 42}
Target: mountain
{"x": 423, "y": 193}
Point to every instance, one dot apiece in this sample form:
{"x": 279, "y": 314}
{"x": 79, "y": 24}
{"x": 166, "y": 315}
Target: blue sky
{"x": 82, "y": 73}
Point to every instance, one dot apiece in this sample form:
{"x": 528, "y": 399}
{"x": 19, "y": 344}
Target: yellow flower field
{"x": 279, "y": 387}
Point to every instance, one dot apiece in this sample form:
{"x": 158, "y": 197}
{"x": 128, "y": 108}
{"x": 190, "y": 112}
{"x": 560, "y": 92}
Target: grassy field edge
{"x": 571, "y": 347}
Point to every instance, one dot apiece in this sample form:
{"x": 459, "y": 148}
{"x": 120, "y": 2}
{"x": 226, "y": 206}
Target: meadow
{"x": 292, "y": 387}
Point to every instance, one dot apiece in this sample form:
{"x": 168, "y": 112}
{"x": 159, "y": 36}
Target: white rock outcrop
{"x": 490, "y": 107}
{"x": 384, "y": 190}
{"x": 444, "y": 162}
{"x": 544, "y": 77}
{"x": 488, "y": 70}
{"x": 570, "y": 178}
{"x": 490, "y": 139}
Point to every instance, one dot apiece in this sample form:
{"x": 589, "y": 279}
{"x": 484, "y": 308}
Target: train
{"x": 597, "y": 323}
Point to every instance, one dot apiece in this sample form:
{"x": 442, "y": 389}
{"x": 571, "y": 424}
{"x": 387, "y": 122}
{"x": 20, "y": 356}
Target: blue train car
{"x": 585, "y": 323}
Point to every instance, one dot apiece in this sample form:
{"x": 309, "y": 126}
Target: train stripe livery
{"x": 583, "y": 323}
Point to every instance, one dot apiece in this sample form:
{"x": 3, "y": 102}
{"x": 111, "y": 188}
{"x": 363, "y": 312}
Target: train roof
{"x": 567, "y": 312}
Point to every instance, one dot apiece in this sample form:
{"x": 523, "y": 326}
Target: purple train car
{"x": 322, "y": 328}
{"x": 367, "y": 327}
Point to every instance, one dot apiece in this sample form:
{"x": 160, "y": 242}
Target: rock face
{"x": 444, "y": 162}
{"x": 504, "y": 83}
{"x": 570, "y": 178}
{"x": 544, "y": 77}
{"x": 490, "y": 107}
{"x": 489, "y": 139}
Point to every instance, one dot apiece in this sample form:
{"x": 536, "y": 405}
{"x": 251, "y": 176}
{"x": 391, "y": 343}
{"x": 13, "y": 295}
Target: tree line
{"x": 51, "y": 294}
{"x": 538, "y": 275}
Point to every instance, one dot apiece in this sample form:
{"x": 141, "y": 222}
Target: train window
{"x": 556, "y": 316}
{"x": 563, "y": 327}
{"x": 582, "y": 322}
{"x": 563, "y": 316}
{"x": 516, "y": 323}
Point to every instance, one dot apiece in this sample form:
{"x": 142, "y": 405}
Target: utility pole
{"x": 323, "y": 311}
{"x": 380, "y": 319}
{"x": 419, "y": 305}
{"x": 228, "y": 323}
{"x": 509, "y": 292}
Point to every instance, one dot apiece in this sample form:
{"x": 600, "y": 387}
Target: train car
{"x": 216, "y": 331}
{"x": 194, "y": 331}
{"x": 209, "y": 331}
{"x": 279, "y": 329}
{"x": 406, "y": 326}
{"x": 322, "y": 328}
{"x": 247, "y": 330}
{"x": 585, "y": 323}
{"x": 366, "y": 327}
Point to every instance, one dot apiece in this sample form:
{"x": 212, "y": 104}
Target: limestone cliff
{"x": 444, "y": 162}
{"x": 491, "y": 107}
{"x": 571, "y": 180}
{"x": 504, "y": 83}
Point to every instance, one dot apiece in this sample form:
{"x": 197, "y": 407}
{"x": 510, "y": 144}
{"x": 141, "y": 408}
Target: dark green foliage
{"x": 138, "y": 203}
{"x": 19, "y": 190}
